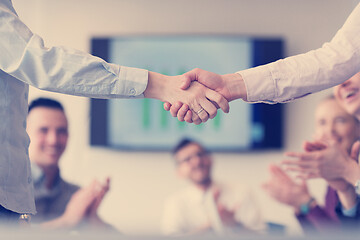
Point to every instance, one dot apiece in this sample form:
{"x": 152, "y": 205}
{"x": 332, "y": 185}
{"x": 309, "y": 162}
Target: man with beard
{"x": 206, "y": 206}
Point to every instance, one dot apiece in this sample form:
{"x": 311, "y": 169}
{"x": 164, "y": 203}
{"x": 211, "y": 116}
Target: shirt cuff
{"x": 260, "y": 85}
{"x": 350, "y": 212}
{"x": 131, "y": 82}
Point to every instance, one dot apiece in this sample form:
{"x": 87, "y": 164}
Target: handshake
{"x": 195, "y": 96}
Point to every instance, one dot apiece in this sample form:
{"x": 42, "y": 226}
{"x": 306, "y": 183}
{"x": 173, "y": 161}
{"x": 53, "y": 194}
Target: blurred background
{"x": 142, "y": 180}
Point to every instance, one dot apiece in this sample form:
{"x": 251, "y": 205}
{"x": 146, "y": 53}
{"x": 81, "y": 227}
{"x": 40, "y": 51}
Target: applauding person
{"x": 207, "y": 206}
{"x": 334, "y": 124}
{"x": 59, "y": 204}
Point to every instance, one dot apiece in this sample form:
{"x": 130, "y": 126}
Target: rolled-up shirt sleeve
{"x": 61, "y": 69}
{"x": 316, "y": 70}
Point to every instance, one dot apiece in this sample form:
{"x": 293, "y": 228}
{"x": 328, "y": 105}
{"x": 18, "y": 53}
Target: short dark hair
{"x": 45, "y": 102}
{"x": 184, "y": 142}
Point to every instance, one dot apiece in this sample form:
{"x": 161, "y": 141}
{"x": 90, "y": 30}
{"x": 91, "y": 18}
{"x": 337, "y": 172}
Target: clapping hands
{"x": 82, "y": 206}
{"x": 284, "y": 189}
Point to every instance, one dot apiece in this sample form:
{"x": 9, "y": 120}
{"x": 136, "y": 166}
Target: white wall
{"x": 140, "y": 181}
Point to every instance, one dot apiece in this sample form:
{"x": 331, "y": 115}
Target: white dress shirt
{"x": 294, "y": 77}
{"x": 191, "y": 209}
{"x": 26, "y": 61}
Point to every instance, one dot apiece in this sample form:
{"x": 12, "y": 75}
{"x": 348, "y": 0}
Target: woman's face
{"x": 334, "y": 123}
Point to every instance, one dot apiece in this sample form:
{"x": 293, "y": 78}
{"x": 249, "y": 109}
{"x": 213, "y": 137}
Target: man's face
{"x": 48, "y": 132}
{"x": 333, "y": 122}
{"x": 348, "y": 95}
{"x": 194, "y": 163}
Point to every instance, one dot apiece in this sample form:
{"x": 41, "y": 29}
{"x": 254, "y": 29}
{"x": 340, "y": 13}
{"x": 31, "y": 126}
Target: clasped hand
{"x": 195, "y": 96}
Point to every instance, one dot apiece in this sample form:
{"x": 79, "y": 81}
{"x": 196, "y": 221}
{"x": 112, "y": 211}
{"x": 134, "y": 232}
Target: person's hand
{"x": 345, "y": 190}
{"x": 181, "y": 111}
{"x": 325, "y": 161}
{"x": 231, "y": 86}
{"x": 92, "y": 217}
{"x": 85, "y": 200}
{"x": 204, "y": 103}
{"x": 76, "y": 209}
{"x": 337, "y": 184}
{"x": 314, "y": 146}
{"x": 285, "y": 190}
{"x": 331, "y": 162}
{"x": 211, "y": 80}
{"x": 226, "y": 215}
{"x": 100, "y": 194}
{"x": 200, "y": 100}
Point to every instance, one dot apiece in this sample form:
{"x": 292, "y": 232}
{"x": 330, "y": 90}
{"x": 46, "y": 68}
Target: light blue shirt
{"x": 26, "y": 61}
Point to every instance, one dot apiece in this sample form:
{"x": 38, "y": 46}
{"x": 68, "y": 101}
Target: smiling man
{"x": 48, "y": 129}
{"x": 59, "y": 204}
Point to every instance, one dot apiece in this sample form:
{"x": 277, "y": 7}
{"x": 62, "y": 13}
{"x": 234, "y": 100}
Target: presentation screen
{"x": 142, "y": 124}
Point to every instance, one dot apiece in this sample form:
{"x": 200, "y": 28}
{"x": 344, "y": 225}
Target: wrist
{"x": 352, "y": 172}
{"x": 155, "y": 86}
{"x": 304, "y": 204}
{"x": 348, "y": 198}
{"x": 236, "y": 86}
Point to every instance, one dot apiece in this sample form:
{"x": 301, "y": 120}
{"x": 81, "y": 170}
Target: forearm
{"x": 62, "y": 69}
{"x": 155, "y": 87}
{"x": 313, "y": 71}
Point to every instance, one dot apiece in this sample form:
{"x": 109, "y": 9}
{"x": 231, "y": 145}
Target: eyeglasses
{"x": 188, "y": 159}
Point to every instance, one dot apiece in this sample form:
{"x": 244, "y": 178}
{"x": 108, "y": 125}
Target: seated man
{"x": 59, "y": 204}
{"x": 206, "y": 206}
{"x": 333, "y": 123}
